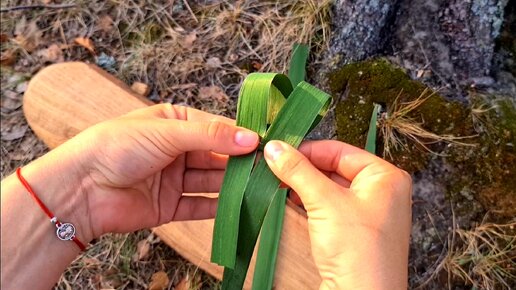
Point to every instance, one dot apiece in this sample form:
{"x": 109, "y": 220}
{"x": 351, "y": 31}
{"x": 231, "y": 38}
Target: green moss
{"x": 489, "y": 168}
{"x": 357, "y": 86}
{"x": 483, "y": 173}
{"x": 507, "y": 117}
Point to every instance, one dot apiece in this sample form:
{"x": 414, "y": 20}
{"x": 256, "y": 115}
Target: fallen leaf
{"x": 257, "y": 65}
{"x": 105, "y": 23}
{"x": 10, "y": 101}
{"x": 22, "y": 87}
{"x": 184, "y": 284}
{"x": 112, "y": 282}
{"x": 20, "y": 26}
{"x": 189, "y": 39}
{"x": 159, "y": 281}
{"x": 9, "y": 105}
{"x": 28, "y": 36}
{"x": 15, "y": 133}
{"x": 213, "y": 62}
{"x": 28, "y": 148}
{"x": 7, "y": 58}
{"x": 153, "y": 238}
{"x": 233, "y": 57}
{"x": 189, "y": 283}
{"x": 4, "y": 38}
{"x": 46, "y": 1}
{"x": 179, "y": 29}
{"x": 110, "y": 279}
{"x": 9, "y": 94}
{"x": 140, "y": 88}
{"x": 86, "y": 43}
{"x": 142, "y": 250}
{"x": 96, "y": 280}
{"x": 53, "y": 54}
{"x": 214, "y": 93}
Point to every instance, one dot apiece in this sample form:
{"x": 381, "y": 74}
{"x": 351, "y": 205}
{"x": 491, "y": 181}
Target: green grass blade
{"x": 272, "y": 227}
{"x": 371, "y": 134}
{"x": 291, "y": 125}
{"x": 297, "y": 69}
{"x": 254, "y": 112}
{"x": 238, "y": 170}
{"x": 269, "y": 242}
{"x": 257, "y": 198}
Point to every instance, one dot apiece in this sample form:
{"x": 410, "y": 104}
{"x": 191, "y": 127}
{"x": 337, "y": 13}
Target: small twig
{"x": 40, "y": 6}
{"x": 191, "y": 12}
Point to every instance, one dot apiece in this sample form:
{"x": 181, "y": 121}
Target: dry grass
{"x": 483, "y": 257}
{"x": 179, "y": 48}
{"x": 183, "y": 50}
{"x": 193, "y": 53}
{"x": 397, "y": 127}
{"x": 119, "y": 261}
{"x": 222, "y": 44}
{"x": 480, "y": 115}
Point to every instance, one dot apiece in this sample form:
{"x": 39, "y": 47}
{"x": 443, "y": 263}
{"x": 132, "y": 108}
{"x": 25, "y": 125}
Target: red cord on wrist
{"x": 65, "y": 231}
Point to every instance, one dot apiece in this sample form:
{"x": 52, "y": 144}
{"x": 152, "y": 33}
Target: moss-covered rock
{"x": 489, "y": 169}
{"x": 482, "y": 173}
{"x": 357, "y": 86}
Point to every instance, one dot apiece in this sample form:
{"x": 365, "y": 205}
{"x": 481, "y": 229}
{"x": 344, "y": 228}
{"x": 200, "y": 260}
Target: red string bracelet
{"x": 65, "y": 231}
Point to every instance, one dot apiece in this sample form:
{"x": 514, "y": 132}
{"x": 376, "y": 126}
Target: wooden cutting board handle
{"x": 64, "y": 99}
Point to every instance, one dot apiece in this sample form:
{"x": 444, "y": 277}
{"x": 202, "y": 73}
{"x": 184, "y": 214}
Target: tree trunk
{"x": 449, "y": 42}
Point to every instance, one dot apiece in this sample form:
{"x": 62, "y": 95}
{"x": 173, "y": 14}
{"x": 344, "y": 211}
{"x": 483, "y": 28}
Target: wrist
{"x": 60, "y": 181}
{"x": 29, "y": 239}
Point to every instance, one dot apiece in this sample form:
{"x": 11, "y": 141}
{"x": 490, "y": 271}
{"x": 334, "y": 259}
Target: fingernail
{"x": 246, "y": 138}
{"x": 273, "y": 150}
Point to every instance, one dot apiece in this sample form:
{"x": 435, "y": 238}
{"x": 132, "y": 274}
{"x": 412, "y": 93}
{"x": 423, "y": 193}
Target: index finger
{"x": 340, "y": 157}
{"x": 169, "y": 111}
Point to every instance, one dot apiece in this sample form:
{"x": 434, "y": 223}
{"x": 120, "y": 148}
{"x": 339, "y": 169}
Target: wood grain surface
{"x": 64, "y": 99}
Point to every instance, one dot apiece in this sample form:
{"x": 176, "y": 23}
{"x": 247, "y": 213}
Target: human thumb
{"x": 294, "y": 169}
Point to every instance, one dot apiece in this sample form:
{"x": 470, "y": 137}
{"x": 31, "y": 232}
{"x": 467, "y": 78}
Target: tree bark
{"x": 453, "y": 39}
{"x": 360, "y": 28}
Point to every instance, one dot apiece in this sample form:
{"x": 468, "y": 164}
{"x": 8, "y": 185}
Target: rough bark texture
{"x": 455, "y": 39}
{"x": 447, "y": 44}
{"x": 360, "y": 27}
{"x": 444, "y": 42}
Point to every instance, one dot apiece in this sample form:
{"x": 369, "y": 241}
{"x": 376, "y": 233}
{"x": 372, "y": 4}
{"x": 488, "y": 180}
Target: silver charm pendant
{"x": 65, "y": 231}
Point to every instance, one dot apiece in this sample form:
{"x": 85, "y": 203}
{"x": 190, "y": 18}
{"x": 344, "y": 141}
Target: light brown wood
{"x": 64, "y": 99}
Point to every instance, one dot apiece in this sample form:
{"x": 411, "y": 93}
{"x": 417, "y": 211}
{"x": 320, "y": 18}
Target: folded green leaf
{"x": 292, "y": 123}
{"x": 261, "y": 97}
{"x": 272, "y": 227}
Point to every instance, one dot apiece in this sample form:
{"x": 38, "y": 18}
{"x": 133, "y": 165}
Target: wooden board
{"x": 64, "y": 99}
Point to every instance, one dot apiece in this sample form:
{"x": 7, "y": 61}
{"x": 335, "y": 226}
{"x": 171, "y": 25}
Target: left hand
{"x": 135, "y": 169}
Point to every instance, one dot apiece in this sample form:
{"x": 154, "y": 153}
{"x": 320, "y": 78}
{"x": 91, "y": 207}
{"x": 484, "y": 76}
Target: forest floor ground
{"x": 190, "y": 54}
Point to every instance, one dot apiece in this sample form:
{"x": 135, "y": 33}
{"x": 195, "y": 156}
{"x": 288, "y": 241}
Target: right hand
{"x": 359, "y": 211}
